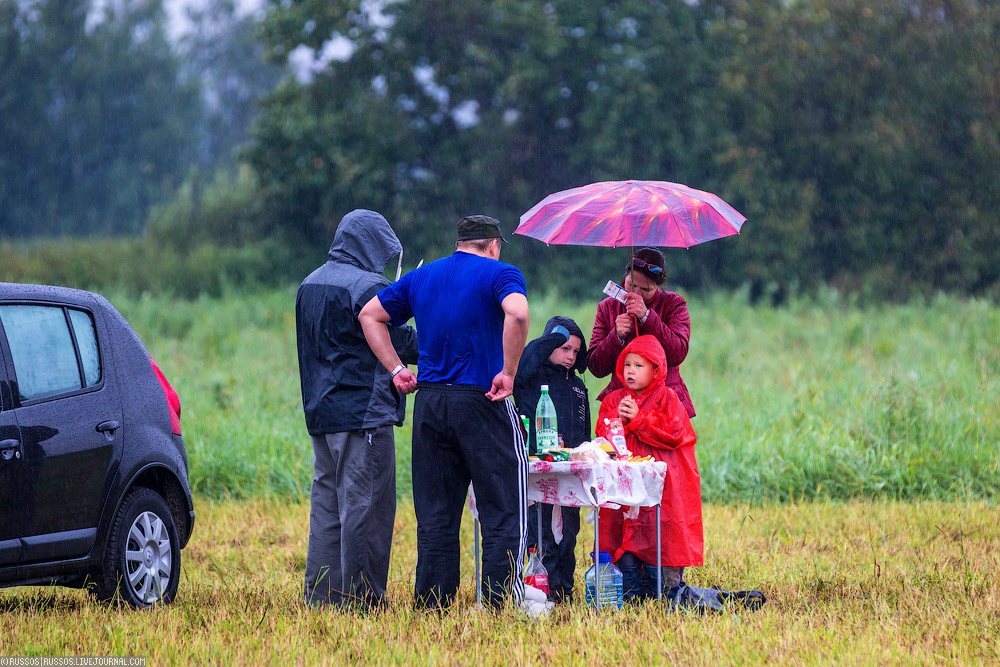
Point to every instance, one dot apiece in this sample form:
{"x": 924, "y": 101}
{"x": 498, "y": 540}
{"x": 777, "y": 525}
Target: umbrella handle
{"x": 631, "y": 273}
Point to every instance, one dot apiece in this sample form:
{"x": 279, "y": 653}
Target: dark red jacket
{"x": 668, "y": 321}
{"x": 662, "y": 430}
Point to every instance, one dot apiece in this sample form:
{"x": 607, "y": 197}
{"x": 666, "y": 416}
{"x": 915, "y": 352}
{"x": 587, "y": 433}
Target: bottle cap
{"x": 545, "y": 387}
{"x": 603, "y": 557}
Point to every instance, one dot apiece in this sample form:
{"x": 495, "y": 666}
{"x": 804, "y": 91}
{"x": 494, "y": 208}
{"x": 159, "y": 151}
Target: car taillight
{"x": 173, "y": 402}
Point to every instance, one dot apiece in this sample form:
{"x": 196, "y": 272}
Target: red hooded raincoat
{"x": 662, "y": 429}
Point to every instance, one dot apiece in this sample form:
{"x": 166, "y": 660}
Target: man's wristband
{"x": 397, "y": 370}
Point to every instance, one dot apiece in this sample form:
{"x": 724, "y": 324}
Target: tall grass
{"x": 816, "y": 399}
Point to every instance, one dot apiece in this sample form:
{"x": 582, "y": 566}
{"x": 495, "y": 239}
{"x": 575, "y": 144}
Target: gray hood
{"x": 364, "y": 238}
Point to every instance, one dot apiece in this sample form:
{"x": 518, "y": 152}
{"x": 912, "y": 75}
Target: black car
{"x": 93, "y": 473}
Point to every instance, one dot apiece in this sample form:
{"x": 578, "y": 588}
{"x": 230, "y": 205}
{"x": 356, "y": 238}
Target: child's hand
{"x": 628, "y": 408}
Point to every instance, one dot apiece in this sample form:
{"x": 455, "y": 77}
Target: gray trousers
{"x": 353, "y": 509}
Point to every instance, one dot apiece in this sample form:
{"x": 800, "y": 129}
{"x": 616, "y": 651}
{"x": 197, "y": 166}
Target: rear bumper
{"x": 185, "y": 538}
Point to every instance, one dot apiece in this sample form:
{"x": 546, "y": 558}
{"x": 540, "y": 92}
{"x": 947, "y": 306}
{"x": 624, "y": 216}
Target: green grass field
{"x": 814, "y": 400}
{"x": 849, "y": 462}
{"x": 848, "y": 583}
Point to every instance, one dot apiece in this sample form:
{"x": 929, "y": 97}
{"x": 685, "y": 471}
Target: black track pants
{"x": 459, "y": 436}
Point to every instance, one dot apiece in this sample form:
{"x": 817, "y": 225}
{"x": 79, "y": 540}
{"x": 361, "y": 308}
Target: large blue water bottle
{"x": 610, "y": 594}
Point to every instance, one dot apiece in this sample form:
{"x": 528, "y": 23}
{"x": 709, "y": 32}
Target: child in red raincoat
{"x": 657, "y": 425}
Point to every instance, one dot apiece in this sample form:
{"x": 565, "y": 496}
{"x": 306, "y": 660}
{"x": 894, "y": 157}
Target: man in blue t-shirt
{"x": 471, "y": 315}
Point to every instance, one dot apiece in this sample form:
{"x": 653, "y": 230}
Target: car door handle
{"x": 9, "y": 449}
{"x": 108, "y": 426}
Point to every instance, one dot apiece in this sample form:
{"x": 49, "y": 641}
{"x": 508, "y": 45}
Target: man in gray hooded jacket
{"x": 350, "y": 408}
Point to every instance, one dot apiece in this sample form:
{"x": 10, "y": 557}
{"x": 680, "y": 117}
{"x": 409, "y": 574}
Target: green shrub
{"x": 136, "y": 266}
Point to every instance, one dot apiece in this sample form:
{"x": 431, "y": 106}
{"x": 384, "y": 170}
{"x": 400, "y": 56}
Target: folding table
{"x": 594, "y": 484}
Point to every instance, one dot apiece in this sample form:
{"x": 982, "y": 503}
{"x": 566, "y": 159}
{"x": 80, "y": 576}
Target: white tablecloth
{"x": 591, "y": 484}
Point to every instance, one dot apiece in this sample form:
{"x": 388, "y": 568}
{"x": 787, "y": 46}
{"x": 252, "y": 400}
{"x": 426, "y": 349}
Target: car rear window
{"x": 45, "y": 353}
{"x": 86, "y": 340}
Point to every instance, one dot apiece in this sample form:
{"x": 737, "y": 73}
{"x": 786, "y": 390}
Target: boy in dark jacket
{"x": 554, "y": 359}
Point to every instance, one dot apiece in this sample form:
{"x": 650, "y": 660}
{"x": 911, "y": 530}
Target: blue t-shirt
{"x": 455, "y": 303}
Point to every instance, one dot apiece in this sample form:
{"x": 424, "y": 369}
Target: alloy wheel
{"x": 148, "y": 558}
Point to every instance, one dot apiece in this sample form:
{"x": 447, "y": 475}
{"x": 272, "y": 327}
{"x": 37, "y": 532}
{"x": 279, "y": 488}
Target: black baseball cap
{"x": 473, "y": 227}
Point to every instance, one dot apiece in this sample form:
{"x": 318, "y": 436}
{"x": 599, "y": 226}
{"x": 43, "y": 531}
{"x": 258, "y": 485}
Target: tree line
{"x": 860, "y": 138}
{"x": 103, "y": 116}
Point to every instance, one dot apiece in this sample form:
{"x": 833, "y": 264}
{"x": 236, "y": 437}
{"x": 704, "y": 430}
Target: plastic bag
{"x": 695, "y": 599}
{"x": 589, "y": 451}
{"x": 535, "y": 604}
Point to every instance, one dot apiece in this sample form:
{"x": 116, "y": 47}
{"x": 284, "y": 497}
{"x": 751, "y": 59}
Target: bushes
{"x": 134, "y": 266}
{"x": 207, "y": 240}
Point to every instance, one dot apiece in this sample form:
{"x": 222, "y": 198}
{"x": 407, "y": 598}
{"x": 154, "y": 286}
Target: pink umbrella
{"x": 630, "y": 213}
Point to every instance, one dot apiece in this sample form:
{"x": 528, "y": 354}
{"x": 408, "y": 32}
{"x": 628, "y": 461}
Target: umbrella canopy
{"x": 630, "y": 213}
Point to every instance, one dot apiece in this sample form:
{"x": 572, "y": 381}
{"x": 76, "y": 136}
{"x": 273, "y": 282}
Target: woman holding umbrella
{"x": 619, "y": 214}
{"x": 656, "y": 311}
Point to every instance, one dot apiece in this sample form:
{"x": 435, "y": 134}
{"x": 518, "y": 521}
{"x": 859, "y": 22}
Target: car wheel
{"x": 143, "y": 559}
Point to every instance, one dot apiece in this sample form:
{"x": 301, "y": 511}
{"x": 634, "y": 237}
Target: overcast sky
{"x": 305, "y": 62}
{"x": 177, "y": 18}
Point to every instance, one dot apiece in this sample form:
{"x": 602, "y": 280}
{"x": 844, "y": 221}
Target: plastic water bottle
{"x": 610, "y": 594}
{"x": 535, "y": 573}
{"x": 546, "y": 425}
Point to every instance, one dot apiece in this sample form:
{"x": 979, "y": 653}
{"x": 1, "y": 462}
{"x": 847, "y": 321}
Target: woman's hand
{"x": 634, "y": 305}
{"x": 628, "y": 408}
{"x": 623, "y": 325}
